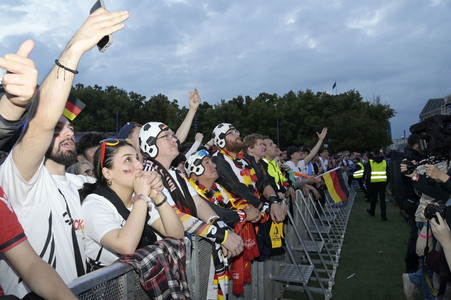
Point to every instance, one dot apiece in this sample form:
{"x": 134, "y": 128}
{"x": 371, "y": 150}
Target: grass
{"x": 372, "y": 250}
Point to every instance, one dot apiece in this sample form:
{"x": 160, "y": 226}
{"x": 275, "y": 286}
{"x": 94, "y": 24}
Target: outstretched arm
{"x": 194, "y": 102}
{"x": 321, "y": 137}
{"x": 54, "y": 91}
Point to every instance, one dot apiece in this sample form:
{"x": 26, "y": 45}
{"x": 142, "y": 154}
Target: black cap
{"x": 291, "y": 150}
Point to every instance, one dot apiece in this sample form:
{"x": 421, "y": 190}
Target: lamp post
{"x": 117, "y": 119}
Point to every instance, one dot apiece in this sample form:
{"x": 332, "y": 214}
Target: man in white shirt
{"x": 44, "y": 197}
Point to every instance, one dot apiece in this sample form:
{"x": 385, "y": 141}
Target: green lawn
{"x": 374, "y": 251}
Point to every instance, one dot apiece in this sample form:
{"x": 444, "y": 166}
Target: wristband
{"x": 424, "y": 236}
{"x": 219, "y": 231}
{"x": 141, "y": 197}
{"x": 162, "y": 202}
{"x": 57, "y": 62}
{"x": 273, "y": 199}
{"x": 226, "y": 234}
{"x": 242, "y": 215}
{"x": 416, "y": 176}
{"x": 212, "y": 219}
{"x": 265, "y": 208}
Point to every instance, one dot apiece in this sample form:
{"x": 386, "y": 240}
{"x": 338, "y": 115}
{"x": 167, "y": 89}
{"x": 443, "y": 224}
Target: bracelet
{"x": 161, "y": 203}
{"x": 424, "y": 236}
{"x": 142, "y": 197}
{"x": 64, "y": 67}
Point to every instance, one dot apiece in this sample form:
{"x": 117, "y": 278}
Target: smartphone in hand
{"x": 107, "y": 40}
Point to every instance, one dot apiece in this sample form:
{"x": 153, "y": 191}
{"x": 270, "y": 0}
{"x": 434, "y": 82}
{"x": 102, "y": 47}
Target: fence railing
{"x": 313, "y": 239}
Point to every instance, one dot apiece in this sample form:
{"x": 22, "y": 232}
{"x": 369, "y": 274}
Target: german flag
{"x": 336, "y": 186}
{"x": 73, "y": 107}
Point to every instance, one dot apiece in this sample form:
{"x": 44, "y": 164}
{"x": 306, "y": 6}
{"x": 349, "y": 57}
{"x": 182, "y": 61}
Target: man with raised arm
{"x": 18, "y": 89}
{"x": 44, "y": 197}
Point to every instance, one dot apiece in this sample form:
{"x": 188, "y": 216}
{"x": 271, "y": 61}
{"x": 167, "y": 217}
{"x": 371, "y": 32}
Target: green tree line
{"x": 353, "y": 124}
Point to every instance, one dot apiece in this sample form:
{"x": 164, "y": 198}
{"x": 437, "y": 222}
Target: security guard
{"x": 358, "y": 175}
{"x": 376, "y": 178}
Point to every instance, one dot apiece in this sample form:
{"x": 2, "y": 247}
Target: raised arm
{"x": 54, "y": 91}
{"x": 19, "y": 85}
{"x": 194, "y": 102}
{"x": 321, "y": 137}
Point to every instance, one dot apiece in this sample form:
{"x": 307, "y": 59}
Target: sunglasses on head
{"x": 104, "y": 143}
{"x": 203, "y": 153}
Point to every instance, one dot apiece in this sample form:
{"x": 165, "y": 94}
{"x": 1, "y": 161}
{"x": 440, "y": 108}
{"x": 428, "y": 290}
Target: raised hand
{"x": 322, "y": 135}
{"x": 20, "y": 81}
{"x": 141, "y": 184}
{"x": 97, "y": 25}
{"x": 194, "y": 99}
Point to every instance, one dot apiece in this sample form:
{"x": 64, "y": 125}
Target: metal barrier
{"x": 269, "y": 278}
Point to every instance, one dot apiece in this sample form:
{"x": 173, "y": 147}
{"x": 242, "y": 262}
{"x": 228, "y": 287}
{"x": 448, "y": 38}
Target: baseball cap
{"x": 124, "y": 132}
{"x": 291, "y": 150}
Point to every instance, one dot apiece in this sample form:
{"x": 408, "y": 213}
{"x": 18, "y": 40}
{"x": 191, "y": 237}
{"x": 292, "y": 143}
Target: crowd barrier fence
{"x": 314, "y": 236}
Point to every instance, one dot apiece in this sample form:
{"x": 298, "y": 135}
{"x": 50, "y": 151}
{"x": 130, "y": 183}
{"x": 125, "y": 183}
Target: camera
{"x": 431, "y": 210}
{"x": 435, "y": 136}
{"x": 411, "y": 166}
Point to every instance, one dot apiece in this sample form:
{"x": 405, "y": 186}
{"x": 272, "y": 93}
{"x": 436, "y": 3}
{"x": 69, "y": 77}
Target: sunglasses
{"x": 104, "y": 143}
{"x": 203, "y": 153}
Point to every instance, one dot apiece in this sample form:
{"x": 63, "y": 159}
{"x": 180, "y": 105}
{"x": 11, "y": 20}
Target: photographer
{"x": 410, "y": 200}
{"x": 437, "y": 256}
{"x": 432, "y": 191}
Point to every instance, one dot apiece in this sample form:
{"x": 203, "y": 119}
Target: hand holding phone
{"x": 107, "y": 40}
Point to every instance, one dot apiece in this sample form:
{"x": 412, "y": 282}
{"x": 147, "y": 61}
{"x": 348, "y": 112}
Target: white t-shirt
{"x": 100, "y": 217}
{"x": 41, "y": 209}
{"x": 300, "y": 167}
{"x": 324, "y": 163}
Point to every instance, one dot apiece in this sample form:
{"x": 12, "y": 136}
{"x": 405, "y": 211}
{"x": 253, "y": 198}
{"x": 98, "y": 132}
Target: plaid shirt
{"x": 162, "y": 269}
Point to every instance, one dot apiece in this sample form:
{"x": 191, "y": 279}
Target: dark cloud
{"x": 398, "y": 51}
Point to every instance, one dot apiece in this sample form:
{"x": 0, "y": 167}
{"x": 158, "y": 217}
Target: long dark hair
{"x": 110, "y": 152}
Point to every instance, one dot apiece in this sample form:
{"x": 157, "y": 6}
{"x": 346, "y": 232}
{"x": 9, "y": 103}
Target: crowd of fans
{"x": 83, "y": 205}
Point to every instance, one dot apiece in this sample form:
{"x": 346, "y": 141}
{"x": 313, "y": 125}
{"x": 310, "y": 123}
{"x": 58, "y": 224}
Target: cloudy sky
{"x": 399, "y": 50}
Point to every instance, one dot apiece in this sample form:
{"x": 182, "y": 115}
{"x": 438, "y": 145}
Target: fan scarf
{"x": 241, "y": 265}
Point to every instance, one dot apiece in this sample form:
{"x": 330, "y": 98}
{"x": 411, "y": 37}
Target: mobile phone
{"x": 107, "y": 40}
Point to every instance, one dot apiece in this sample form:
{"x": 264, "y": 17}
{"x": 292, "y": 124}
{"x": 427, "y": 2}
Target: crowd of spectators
{"x": 83, "y": 205}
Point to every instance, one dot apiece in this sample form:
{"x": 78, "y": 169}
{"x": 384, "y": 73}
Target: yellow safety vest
{"x": 378, "y": 171}
{"x": 274, "y": 171}
{"x": 359, "y": 173}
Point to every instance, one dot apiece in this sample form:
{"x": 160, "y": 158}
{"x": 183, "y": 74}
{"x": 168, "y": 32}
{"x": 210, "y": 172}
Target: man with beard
{"x": 44, "y": 197}
{"x": 238, "y": 176}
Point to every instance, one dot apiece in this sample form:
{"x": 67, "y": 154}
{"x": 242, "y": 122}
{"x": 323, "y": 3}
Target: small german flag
{"x": 73, "y": 107}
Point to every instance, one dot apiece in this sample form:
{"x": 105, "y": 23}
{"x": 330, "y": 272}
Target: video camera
{"x": 435, "y": 136}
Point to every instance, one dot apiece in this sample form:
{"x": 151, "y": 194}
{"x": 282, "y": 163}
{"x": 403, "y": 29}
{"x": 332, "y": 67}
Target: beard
{"x": 65, "y": 158}
{"x": 235, "y": 146}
